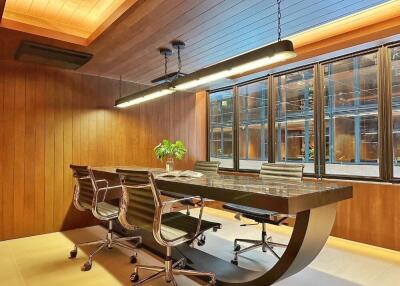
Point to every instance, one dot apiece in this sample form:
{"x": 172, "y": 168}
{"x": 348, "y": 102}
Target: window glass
{"x": 294, "y": 118}
{"x": 253, "y": 125}
{"x": 221, "y": 128}
{"x": 351, "y": 116}
{"x": 395, "y": 55}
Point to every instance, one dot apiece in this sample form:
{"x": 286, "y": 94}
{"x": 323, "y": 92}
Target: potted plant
{"x": 171, "y": 151}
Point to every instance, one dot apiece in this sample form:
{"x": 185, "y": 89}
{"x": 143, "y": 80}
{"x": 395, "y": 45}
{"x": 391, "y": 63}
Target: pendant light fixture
{"x": 276, "y": 52}
{"x": 264, "y": 56}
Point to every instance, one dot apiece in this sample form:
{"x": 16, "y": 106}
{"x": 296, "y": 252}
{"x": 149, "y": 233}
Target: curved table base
{"x": 310, "y": 233}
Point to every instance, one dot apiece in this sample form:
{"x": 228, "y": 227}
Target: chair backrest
{"x": 282, "y": 171}
{"x": 207, "y": 166}
{"x": 84, "y": 189}
{"x": 140, "y": 199}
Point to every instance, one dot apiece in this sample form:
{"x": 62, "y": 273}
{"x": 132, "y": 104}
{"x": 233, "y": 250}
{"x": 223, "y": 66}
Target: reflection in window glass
{"x": 253, "y": 125}
{"x": 395, "y": 55}
{"x": 294, "y": 124}
{"x": 351, "y": 116}
{"x": 221, "y": 128}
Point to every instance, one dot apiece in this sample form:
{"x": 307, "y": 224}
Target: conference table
{"x": 312, "y": 203}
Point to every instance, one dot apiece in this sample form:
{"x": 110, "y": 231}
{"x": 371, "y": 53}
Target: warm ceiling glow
{"x": 77, "y": 21}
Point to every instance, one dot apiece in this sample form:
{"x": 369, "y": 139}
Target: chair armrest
{"x": 169, "y": 204}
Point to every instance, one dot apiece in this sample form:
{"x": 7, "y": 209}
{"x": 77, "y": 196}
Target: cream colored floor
{"x": 42, "y": 260}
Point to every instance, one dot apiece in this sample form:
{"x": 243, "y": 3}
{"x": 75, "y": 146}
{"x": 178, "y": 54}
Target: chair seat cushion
{"x": 178, "y": 225}
{"x": 107, "y": 210}
{"x": 178, "y": 196}
{"x": 258, "y": 215}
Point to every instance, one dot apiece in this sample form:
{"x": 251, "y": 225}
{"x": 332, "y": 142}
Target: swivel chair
{"x": 142, "y": 207}
{"x": 204, "y": 167}
{"x": 269, "y": 171}
{"x": 90, "y": 195}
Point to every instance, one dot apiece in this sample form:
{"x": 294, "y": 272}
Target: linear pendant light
{"x": 273, "y": 53}
{"x": 276, "y": 52}
{"x": 255, "y": 59}
{"x": 144, "y": 95}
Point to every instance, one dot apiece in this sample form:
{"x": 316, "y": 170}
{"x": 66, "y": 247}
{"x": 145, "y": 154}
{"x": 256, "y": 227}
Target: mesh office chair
{"x": 205, "y": 167}
{"x": 90, "y": 194}
{"x": 269, "y": 171}
{"x": 143, "y": 208}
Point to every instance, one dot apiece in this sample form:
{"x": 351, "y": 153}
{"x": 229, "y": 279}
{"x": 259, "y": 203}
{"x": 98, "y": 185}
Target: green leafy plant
{"x": 167, "y": 149}
{"x": 311, "y": 152}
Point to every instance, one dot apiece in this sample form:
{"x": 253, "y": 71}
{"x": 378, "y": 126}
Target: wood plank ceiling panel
{"x": 213, "y": 31}
{"x": 248, "y": 34}
{"x": 71, "y": 20}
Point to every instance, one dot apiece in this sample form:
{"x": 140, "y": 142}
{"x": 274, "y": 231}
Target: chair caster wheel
{"x": 234, "y": 262}
{"x": 87, "y": 266}
{"x": 133, "y": 259}
{"x": 201, "y": 241}
{"x": 134, "y": 277}
{"x": 73, "y": 254}
{"x": 215, "y": 229}
{"x": 237, "y": 247}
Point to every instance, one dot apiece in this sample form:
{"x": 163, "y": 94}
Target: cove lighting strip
{"x": 274, "y": 53}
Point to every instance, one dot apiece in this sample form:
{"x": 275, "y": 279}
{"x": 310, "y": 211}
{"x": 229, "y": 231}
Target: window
{"x": 294, "y": 118}
{"x": 351, "y": 116}
{"x": 221, "y": 128}
{"x": 276, "y": 118}
{"x": 253, "y": 125}
{"x": 395, "y": 56}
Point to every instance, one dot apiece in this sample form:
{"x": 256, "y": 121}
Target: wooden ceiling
{"x": 76, "y": 21}
{"x": 213, "y": 30}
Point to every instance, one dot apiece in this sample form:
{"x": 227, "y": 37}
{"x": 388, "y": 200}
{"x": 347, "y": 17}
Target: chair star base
{"x": 108, "y": 242}
{"x": 265, "y": 243}
{"x": 168, "y": 271}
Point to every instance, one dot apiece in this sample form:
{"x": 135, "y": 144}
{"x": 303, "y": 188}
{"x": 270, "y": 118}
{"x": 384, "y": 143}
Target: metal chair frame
{"x": 266, "y": 242}
{"x": 163, "y": 207}
{"x": 110, "y": 240}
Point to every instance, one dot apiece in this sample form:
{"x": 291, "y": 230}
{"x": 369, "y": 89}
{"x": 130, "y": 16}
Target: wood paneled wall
{"x": 51, "y": 118}
{"x": 372, "y": 216}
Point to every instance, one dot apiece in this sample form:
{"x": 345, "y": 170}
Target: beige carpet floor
{"x": 43, "y": 260}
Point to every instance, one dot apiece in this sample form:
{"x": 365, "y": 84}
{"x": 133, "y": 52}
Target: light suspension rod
{"x": 273, "y": 53}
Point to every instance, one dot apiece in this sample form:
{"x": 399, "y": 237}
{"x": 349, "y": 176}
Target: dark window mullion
{"x": 235, "y": 131}
{"x": 319, "y": 122}
{"x": 271, "y": 119}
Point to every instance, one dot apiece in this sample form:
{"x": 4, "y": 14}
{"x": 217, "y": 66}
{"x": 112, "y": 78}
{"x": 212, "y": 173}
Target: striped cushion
{"x": 206, "y": 166}
{"x": 269, "y": 171}
{"x": 281, "y": 171}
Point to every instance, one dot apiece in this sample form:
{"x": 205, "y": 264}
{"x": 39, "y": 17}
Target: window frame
{"x": 237, "y": 121}
{"x": 384, "y": 98}
{"x": 321, "y": 117}
{"x": 387, "y": 108}
{"x": 273, "y": 104}
{"x": 231, "y": 87}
